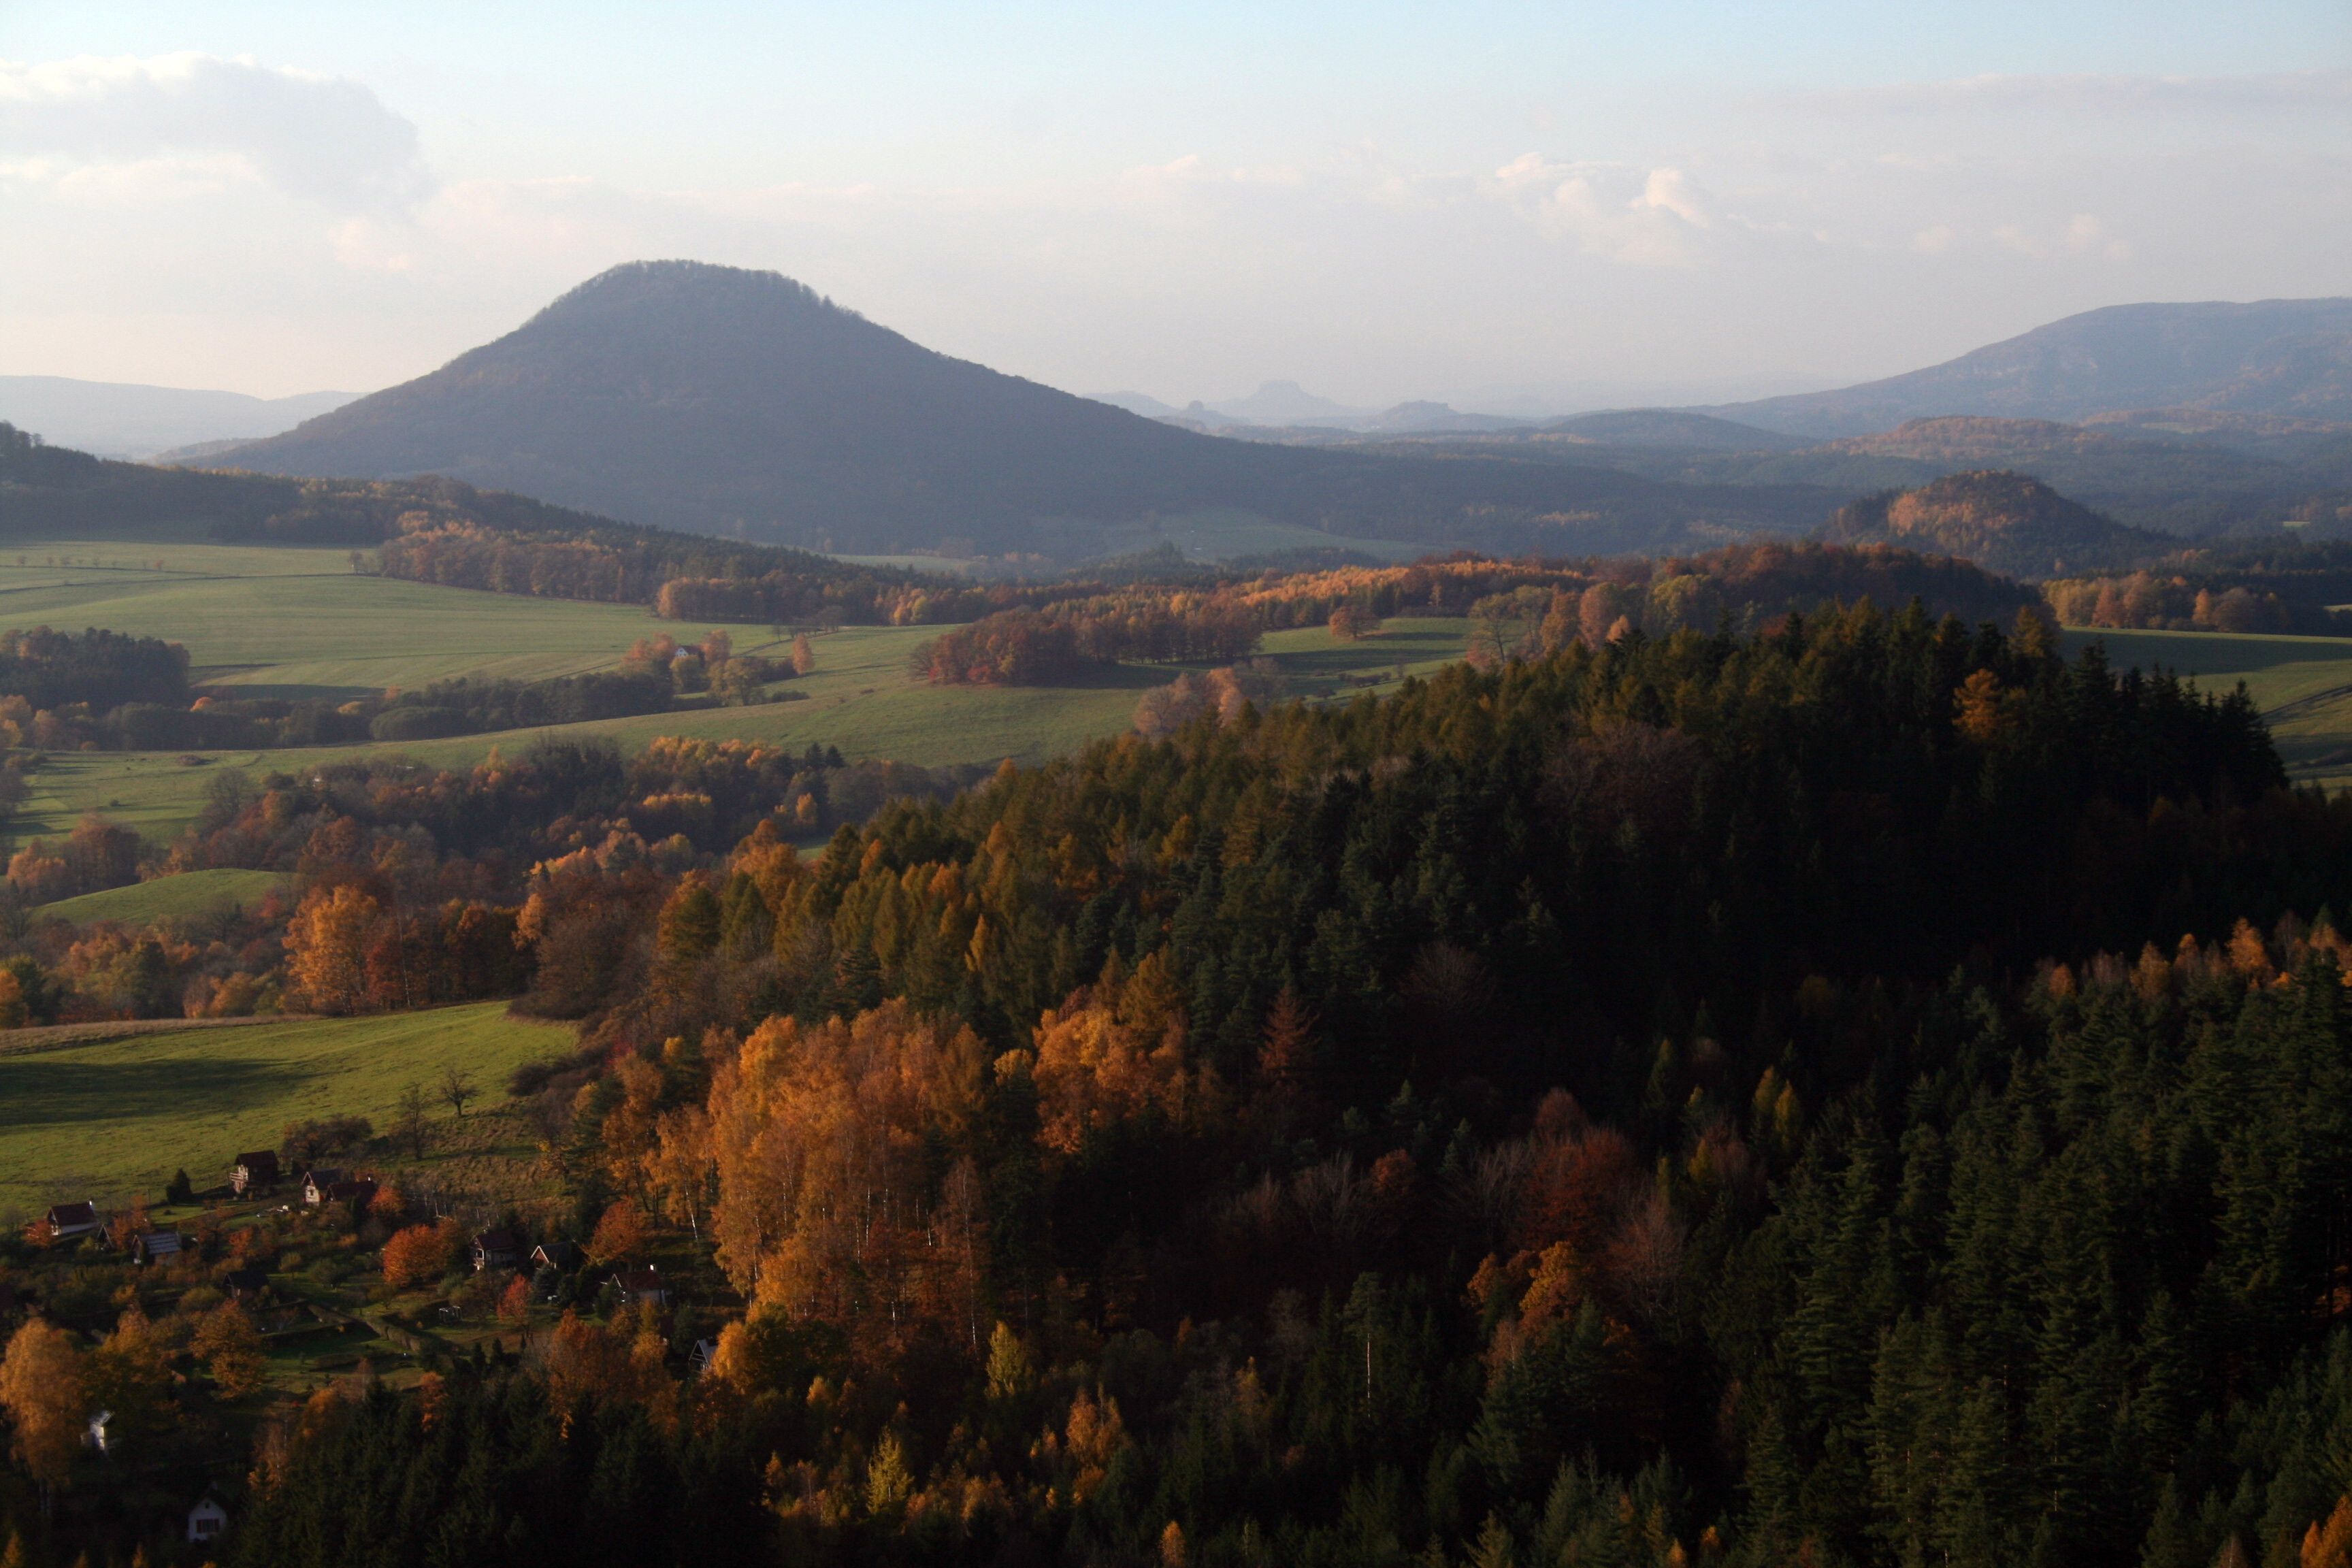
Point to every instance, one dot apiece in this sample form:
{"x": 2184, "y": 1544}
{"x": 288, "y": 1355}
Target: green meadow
{"x": 290, "y": 621}
{"x": 109, "y": 1119}
{"x": 294, "y": 621}
{"x": 184, "y": 897}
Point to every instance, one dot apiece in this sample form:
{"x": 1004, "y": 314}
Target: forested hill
{"x": 2003, "y": 521}
{"x": 738, "y": 402}
{"x": 1215, "y": 1072}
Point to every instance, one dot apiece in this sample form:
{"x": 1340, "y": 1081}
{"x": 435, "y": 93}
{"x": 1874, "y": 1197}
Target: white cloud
{"x": 205, "y": 221}
{"x": 1651, "y": 217}
{"x": 176, "y": 126}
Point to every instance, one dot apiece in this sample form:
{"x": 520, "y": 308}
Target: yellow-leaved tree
{"x": 326, "y": 947}
{"x": 828, "y": 1204}
{"x": 1115, "y": 1050}
{"x": 42, "y": 1384}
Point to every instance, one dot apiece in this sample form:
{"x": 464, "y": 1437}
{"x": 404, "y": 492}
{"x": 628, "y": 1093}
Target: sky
{"x": 1519, "y": 207}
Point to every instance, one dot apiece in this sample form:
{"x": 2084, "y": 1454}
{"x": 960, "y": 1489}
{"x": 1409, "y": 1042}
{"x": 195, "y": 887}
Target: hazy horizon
{"x": 1507, "y": 208}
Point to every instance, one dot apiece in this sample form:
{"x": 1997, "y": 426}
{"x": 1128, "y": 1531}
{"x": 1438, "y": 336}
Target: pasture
{"x": 298, "y": 622}
{"x": 186, "y": 897}
{"x": 295, "y": 621}
{"x": 110, "y": 1119}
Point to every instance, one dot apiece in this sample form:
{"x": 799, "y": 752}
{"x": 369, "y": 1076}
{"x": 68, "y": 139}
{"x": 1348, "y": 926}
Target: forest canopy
{"x": 1869, "y": 1090}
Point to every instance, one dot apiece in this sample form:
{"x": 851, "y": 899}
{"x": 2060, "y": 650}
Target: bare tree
{"x": 456, "y": 1088}
{"x": 411, "y": 1127}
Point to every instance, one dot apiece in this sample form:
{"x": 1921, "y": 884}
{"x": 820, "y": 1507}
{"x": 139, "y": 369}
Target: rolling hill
{"x": 740, "y": 403}
{"x": 2003, "y": 521}
{"x": 2286, "y": 357}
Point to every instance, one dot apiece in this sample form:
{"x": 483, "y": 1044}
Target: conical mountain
{"x": 741, "y": 403}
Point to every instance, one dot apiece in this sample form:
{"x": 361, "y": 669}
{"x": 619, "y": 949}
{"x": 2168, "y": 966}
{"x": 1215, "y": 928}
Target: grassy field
{"x": 298, "y": 622}
{"x": 184, "y": 896}
{"x": 2303, "y": 685}
{"x": 113, "y": 1119}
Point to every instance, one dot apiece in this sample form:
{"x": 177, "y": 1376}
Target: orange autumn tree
{"x": 327, "y": 945}
{"x": 42, "y": 1384}
{"x": 231, "y": 1347}
{"x": 420, "y": 1253}
{"x": 620, "y": 1237}
{"x": 1115, "y": 1050}
{"x": 827, "y": 1205}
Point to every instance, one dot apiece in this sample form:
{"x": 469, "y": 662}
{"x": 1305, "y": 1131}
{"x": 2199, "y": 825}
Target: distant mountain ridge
{"x": 1671, "y": 427}
{"x": 2282, "y": 357}
{"x": 742, "y": 405}
{"x": 121, "y": 419}
{"x": 1284, "y": 406}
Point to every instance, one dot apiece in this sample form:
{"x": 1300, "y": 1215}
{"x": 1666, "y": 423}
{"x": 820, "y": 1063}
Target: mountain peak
{"x": 634, "y": 284}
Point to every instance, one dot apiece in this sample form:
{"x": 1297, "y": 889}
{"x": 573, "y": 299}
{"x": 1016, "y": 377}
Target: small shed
{"x": 245, "y": 1284}
{"x": 561, "y": 1256}
{"x": 207, "y": 1519}
{"x": 497, "y": 1248}
{"x": 641, "y": 1287}
{"x": 254, "y": 1173}
{"x": 66, "y": 1221}
{"x": 318, "y": 1183}
{"x": 157, "y": 1246}
{"x": 359, "y": 1192}
{"x": 705, "y": 1353}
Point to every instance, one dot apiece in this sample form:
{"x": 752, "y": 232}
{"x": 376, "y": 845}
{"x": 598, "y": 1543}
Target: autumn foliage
{"x": 420, "y": 1253}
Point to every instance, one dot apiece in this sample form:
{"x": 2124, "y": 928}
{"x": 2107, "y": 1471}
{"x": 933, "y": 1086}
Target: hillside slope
{"x": 2291, "y": 357}
{"x": 56, "y": 493}
{"x": 2002, "y": 522}
{"x": 738, "y": 402}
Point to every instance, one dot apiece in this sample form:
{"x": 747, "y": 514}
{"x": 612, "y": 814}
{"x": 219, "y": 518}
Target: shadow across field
{"x": 1373, "y": 654}
{"x": 48, "y": 1093}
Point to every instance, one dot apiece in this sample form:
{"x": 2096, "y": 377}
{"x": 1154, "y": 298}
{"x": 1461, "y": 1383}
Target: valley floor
{"x": 298, "y": 622}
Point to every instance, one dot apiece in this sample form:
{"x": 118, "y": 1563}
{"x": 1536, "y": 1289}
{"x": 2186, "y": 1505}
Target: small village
{"x": 185, "y": 1339}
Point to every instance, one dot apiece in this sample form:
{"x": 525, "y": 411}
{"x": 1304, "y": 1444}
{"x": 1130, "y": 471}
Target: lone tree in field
{"x": 410, "y": 1126}
{"x": 803, "y": 655}
{"x": 456, "y": 1088}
